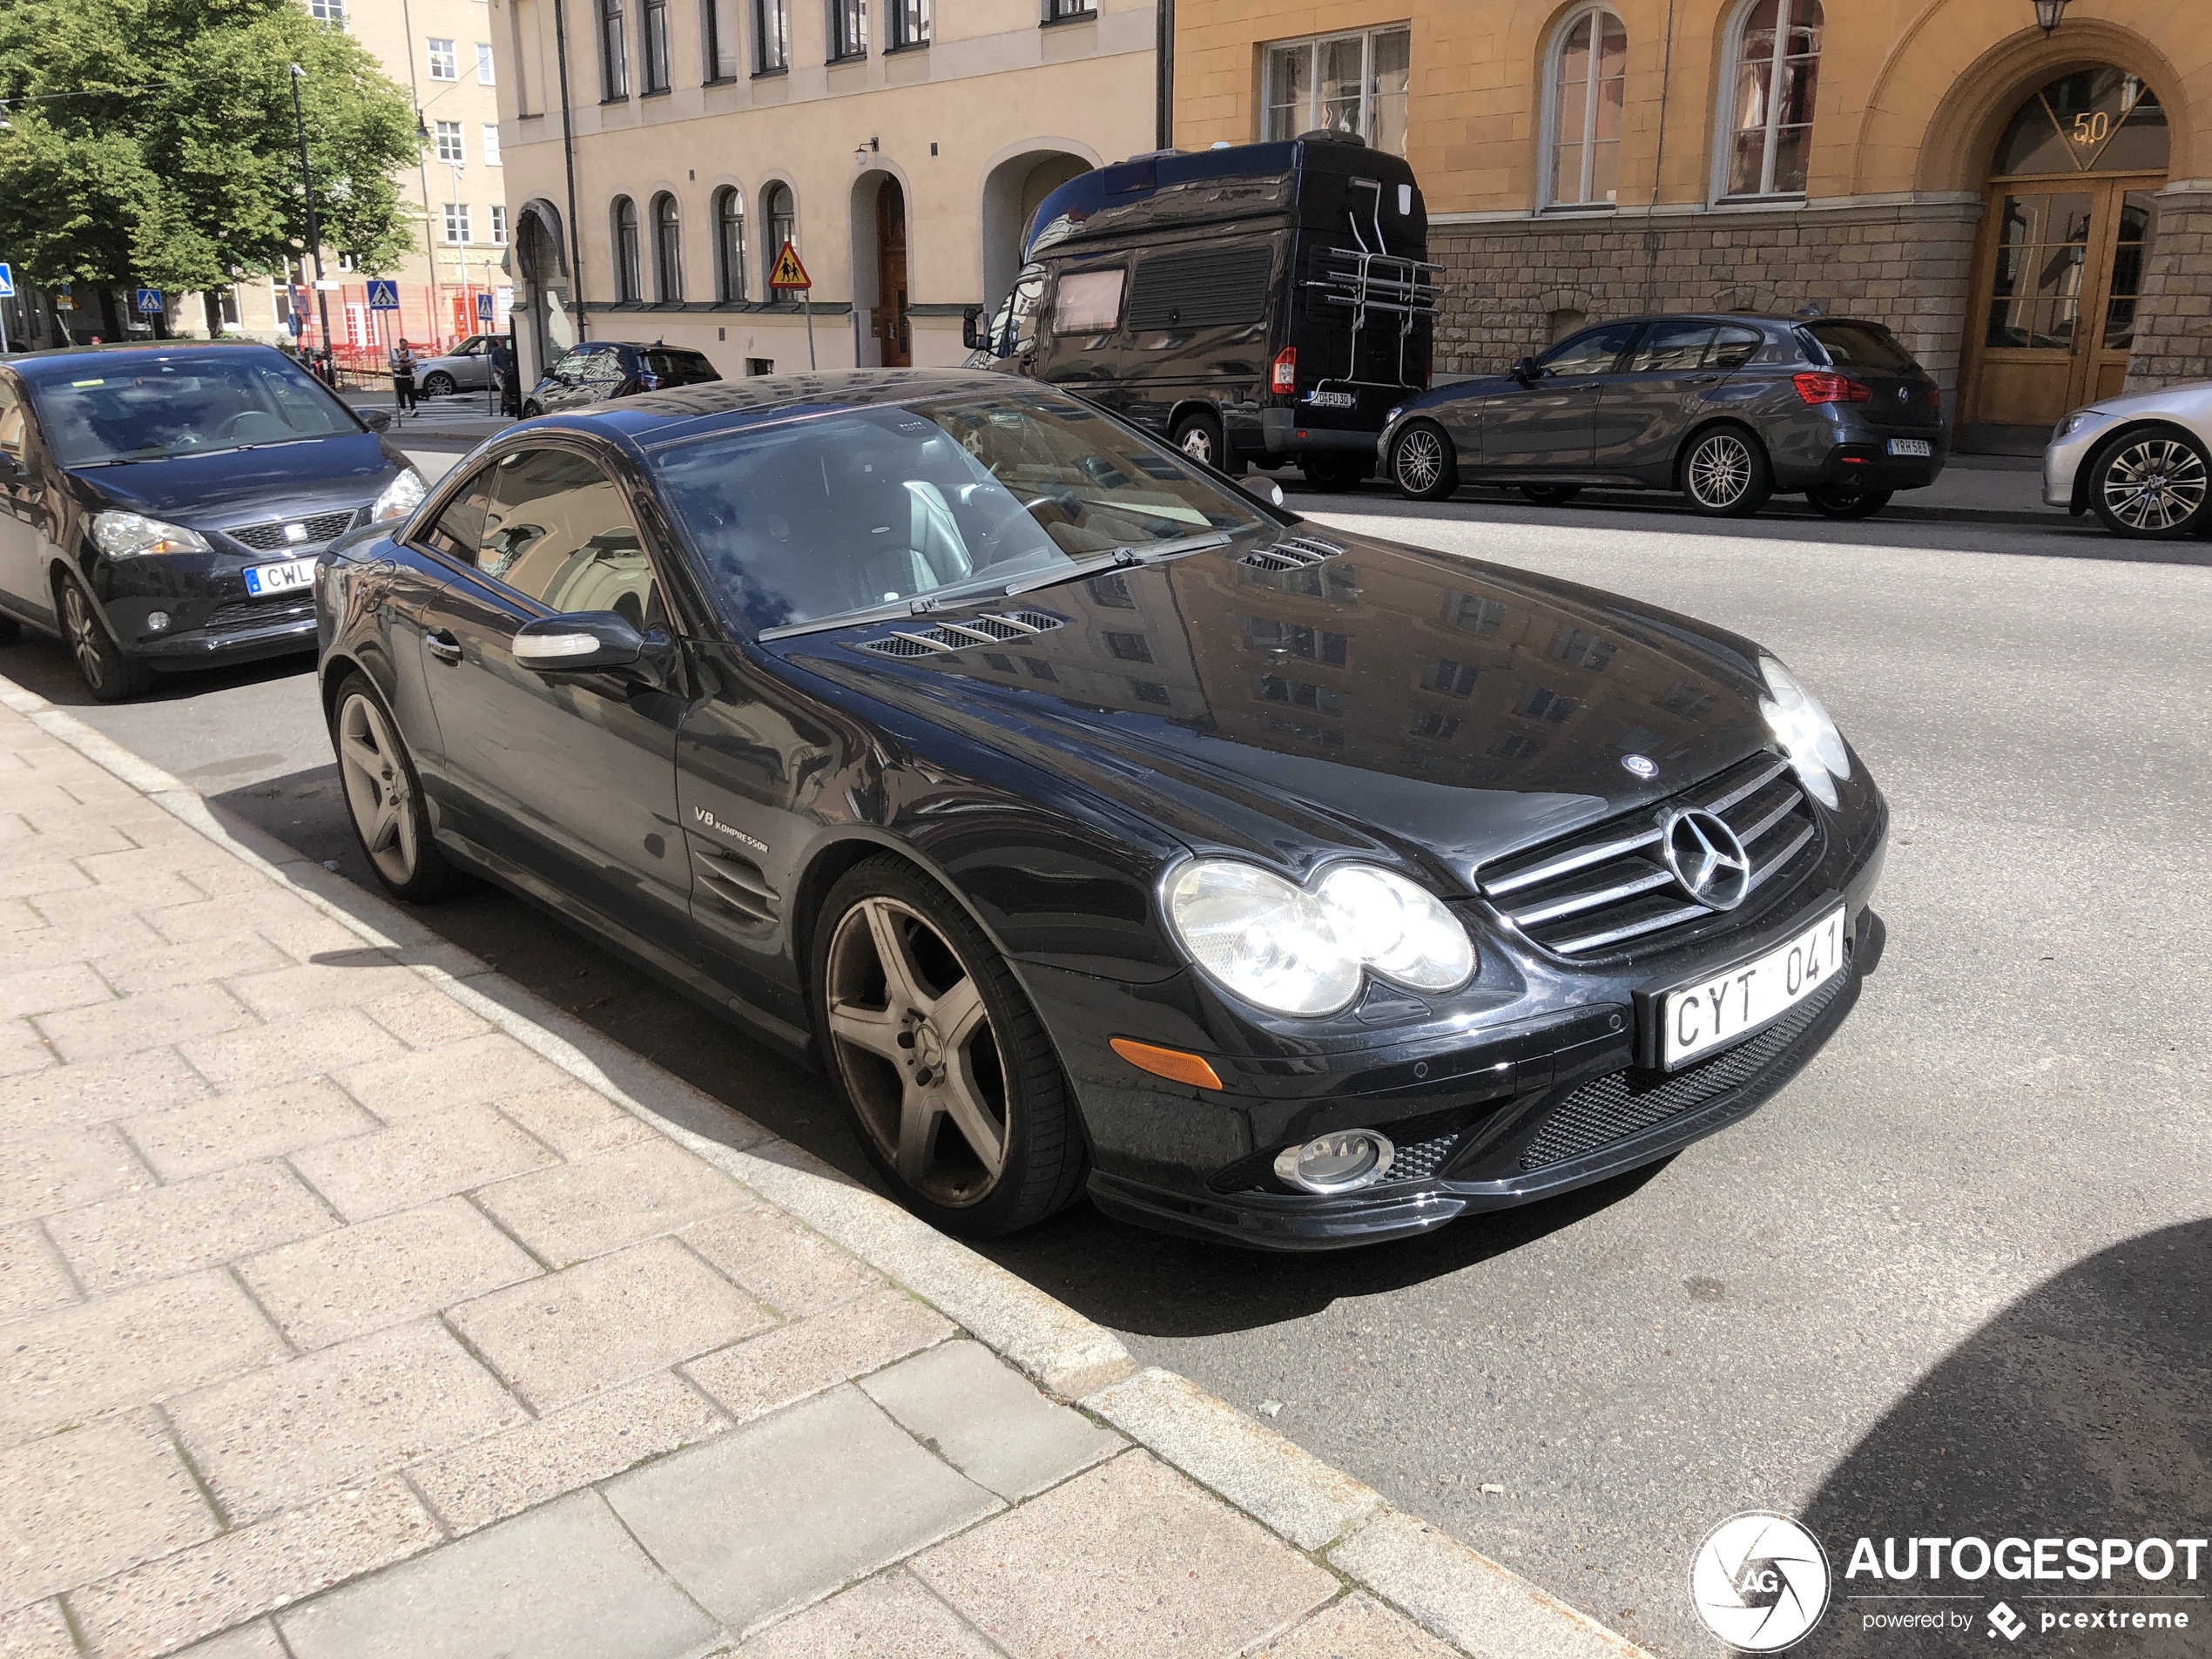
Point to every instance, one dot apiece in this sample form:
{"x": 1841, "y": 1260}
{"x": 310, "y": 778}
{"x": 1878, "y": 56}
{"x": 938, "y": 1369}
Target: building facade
{"x": 658, "y": 157}
{"x": 2030, "y": 212}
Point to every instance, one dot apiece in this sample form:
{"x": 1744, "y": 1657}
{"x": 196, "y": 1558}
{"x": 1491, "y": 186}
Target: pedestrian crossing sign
{"x": 383, "y": 295}
{"x": 789, "y": 272}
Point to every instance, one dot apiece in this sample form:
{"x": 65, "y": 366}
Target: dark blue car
{"x": 162, "y": 506}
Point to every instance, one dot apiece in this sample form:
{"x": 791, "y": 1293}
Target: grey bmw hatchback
{"x": 1728, "y": 410}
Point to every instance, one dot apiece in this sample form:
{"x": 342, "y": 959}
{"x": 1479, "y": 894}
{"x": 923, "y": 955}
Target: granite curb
{"x": 1480, "y": 1605}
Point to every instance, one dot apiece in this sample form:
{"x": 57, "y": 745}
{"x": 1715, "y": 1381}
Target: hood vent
{"x": 995, "y": 628}
{"x": 1291, "y": 553}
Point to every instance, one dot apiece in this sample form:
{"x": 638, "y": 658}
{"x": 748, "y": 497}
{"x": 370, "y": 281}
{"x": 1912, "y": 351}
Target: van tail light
{"x": 1283, "y": 377}
{"x": 1816, "y": 386}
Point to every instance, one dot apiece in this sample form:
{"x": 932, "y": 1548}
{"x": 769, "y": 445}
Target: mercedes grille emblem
{"x": 1706, "y": 859}
{"x": 1642, "y": 766}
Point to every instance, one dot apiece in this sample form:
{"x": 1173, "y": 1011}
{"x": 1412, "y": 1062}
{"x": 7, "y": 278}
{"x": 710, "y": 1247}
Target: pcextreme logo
{"x": 1759, "y": 1581}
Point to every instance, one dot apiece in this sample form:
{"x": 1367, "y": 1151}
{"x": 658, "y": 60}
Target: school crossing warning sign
{"x": 789, "y": 272}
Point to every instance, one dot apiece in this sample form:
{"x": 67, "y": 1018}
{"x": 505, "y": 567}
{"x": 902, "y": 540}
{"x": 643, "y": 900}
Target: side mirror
{"x": 1525, "y": 371}
{"x": 581, "y": 641}
{"x": 375, "y": 420}
{"x": 971, "y": 334}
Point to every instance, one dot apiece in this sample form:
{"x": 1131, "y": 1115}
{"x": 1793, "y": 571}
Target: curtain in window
{"x": 1778, "y": 71}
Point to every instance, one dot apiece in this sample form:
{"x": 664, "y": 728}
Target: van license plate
{"x": 1909, "y": 447}
{"x": 281, "y": 578}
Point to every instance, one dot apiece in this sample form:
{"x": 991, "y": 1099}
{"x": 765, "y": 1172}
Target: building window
{"x": 1130, "y": 648}
{"x": 627, "y": 285}
{"x": 1059, "y": 10}
{"x": 449, "y": 142}
{"x": 1589, "y": 69}
{"x": 491, "y": 143}
{"x": 484, "y": 73}
{"x": 729, "y": 246}
{"x": 1453, "y": 679}
{"x": 1440, "y": 726}
{"x": 771, "y": 33}
{"x": 909, "y": 24}
{"x": 755, "y": 367}
{"x": 718, "y": 51}
{"x": 329, "y": 11}
{"x": 668, "y": 249}
{"x": 499, "y": 225}
{"x": 1774, "y": 68}
{"x": 230, "y": 306}
{"x": 1353, "y": 83}
{"x": 848, "y": 28}
{"x": 457, "y": 224}
{"x": 614, "y": 51}
{"x": 444, "y": 66}
{"x": 781, "y": 213}
{"x": 655, "y": 23}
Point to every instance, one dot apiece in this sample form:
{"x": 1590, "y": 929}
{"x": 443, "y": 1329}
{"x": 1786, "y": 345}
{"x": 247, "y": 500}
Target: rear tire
{"x": 530, "y": 410}
{"x": 1200, "y": 437}
{"x": 2152, "y": 485}
{"x": 1551, "y": 495}
{"x": 438, "y": 385}
{"x": 384, "y": 798}
{"x": 1725, "y": 473}
{"x": 1845, "y": 501}
{"x": 108, "y": 674}
{"x": 1336, "y": 473}
{"x": 1423, "y": 464}
{"x": 921, "y": 1097}
{"x": 10, "y": 632}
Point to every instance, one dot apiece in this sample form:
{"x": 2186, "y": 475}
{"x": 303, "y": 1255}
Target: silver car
{"x": 2142, "y": 464}
{"x": 466, "y": 367}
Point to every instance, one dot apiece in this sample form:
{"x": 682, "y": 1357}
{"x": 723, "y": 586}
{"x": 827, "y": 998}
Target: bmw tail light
{"x": 1935, "y": 397}
{"x": 1283, "y": 377}
{"x": 1816, "y": 386}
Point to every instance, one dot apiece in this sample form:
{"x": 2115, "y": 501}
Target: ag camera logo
{"x": 1759, "y": 1581}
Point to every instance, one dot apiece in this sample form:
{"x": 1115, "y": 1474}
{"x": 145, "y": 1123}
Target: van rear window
{"x": 1201, "y": 288}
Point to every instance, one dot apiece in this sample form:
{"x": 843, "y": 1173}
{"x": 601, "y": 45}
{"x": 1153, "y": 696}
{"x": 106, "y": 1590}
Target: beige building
{"x": 658, "y": 155}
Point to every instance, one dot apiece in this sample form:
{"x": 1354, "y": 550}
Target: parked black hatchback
{"x": 599, "y": 371}
{"x": 1728, "y": 410}
{"x": 162, "y": 506}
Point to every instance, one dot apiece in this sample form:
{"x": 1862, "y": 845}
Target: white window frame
{"x": 499, "y": 224}
{"x": 329, "y": 11}
{"x": 1547, "y": 135}
{"x": 459, "y": 149}
{"x": 1724, "y": 116}
{"x": 442, "y": 56}
{"x": 459, "y": 233}
{"x": 491, "y": 143}
{"x": 486, "y": 75}
{"x": 1313, "y": 44}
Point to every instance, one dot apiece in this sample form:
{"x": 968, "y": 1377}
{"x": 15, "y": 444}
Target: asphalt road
{"x": 1957, "y": 1278}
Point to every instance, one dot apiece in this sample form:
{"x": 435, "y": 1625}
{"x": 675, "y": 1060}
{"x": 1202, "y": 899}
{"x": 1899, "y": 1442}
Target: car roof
{"x": 41, "y": 365}
{"x": 1750, "y": 317}
{"x": 691, "y": 411}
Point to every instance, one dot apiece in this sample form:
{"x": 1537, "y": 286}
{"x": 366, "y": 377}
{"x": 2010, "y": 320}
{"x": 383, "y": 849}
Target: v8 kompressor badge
{"x": 707, "y": 821}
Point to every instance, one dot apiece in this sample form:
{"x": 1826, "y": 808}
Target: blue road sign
{"x": 7, "y": 281}
{"x": 149, "y": 301}
{"x": 483, "y": 307}
{"x": 383, "y": 295}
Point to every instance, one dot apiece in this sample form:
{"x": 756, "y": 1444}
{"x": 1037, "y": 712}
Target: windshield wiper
{"x": 930, "y": 603}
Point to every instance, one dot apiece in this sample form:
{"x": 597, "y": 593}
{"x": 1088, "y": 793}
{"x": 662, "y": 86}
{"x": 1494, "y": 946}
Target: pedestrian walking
{"x": 403, "y": 378}
{"x": 503, "y": 374}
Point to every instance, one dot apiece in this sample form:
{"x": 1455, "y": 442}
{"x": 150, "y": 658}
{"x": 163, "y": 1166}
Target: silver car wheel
{"x": 1420, "y": 459}
{"x": 376, "y": 788}
{"x": 2156, "y": 484}
{"x": 1719, "y": 470}
{"x": 1197, "y": 443}
{"x": 913, "y": 1042}
{"x": 84, "y": 630}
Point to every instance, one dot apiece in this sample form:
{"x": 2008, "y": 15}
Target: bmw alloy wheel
{"x": 2152, "y": 487}
{"x": 1420, "y": 460}
{"x": 378, "y": 789}
{"x": 1719, "y": 470}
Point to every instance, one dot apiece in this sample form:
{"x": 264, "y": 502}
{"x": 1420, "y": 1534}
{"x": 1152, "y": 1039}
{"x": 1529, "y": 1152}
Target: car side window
{"x": 570, "y": 369}
{"x": 1733, "y": 347}
{"x": 1592, "y": 352}
{"x": 558, "y": 531}
{"x": 11, "y": 424}
{"x": 1671, "y": 345}
{"x": 1022, "y": 305}
{"x": 459, "y": 530}
{"x": 1088, "y": 302}
{"x": 603, "y": 367}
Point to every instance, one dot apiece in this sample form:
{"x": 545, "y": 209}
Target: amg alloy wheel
{"x": 384, "y": 798}
{"x": 108, "y": 674}
{"x": 954, "y": 1082}
{"x": 2151, "y": 485}
{"x": 1422, "y": 464}
{"x": 1725, "y": 473}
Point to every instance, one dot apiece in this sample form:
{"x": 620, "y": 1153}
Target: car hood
{"x": 1384, "y": 700}
{"x": 231, "y": 486}
{"x": 2191, "y": 401}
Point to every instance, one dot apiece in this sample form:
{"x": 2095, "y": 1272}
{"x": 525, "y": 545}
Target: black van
{"x": 1265, "y": 302}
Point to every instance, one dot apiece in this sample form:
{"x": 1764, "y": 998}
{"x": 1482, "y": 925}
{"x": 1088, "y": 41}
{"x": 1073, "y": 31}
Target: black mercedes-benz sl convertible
{"x": 1095, "y": 825}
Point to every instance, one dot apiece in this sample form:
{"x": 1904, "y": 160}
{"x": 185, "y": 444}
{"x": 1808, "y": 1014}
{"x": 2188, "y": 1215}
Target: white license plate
{"x": 1700, "y": 1019}
{"x": 1909, "y": 447}
{"x": 281, "y": 578}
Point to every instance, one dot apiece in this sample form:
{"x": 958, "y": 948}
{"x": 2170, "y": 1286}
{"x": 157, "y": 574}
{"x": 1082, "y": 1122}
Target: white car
{"x": 2142, "y": 462}
{"x": 466, "y": 367}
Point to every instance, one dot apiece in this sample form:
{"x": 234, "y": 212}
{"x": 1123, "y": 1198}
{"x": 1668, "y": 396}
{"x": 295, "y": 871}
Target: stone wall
{"x": 2174, "y": 318}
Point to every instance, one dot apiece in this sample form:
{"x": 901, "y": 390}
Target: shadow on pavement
{"x": 2082, "y": 1411}
{"x": 42, "y": 664}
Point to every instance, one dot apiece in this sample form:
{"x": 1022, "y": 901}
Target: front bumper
{"x": 2063, "y": 459}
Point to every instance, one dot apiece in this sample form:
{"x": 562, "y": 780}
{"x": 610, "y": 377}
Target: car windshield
{"x": 113, "y": 407}
{"x": 826, "y": 514}
{"x": 1854, "y": 345}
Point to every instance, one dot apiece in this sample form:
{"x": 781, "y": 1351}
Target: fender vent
{"x": 1291, "y": 553}
{"x": 735, "y": 882}
{"x": 995, "y": 628}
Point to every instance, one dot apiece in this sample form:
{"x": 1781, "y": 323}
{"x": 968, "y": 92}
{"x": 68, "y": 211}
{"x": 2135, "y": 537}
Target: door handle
{"x": 442, "y": 645}
{"x": 1699, "y": 380}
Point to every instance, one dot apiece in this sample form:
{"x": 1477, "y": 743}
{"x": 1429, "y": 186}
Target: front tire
{"x": 1334, "y": 473}
{"x": 1725, "y": 475}
{"x": 384, "y": 798}
{"x": 438, "y": 385}
{"x": 951, "y": 1078}
{"x": 2153, "y": 485}
{"x": 1201, "y": 437}
{"x": 530, "y": 410}
{"x": 108, "y": 674}
{"x": 1423, "y": 464}
{"x": 1847, "y": 500}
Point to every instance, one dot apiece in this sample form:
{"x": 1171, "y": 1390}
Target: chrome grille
{"x": 321, "y": 528}
{"x": 968, "y": 632}
{"x": 1291, "y": 553}
{"x": 1608, "y": 888}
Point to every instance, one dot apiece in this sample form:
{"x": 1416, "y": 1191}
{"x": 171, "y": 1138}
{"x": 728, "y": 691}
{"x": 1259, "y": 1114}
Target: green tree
{"x": 153, "y": 141}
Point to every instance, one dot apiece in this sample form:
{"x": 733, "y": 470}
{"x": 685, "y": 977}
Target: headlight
{"x": 402, "y": 495}
{"x": 128, "y": 536}
{"x": 2070, "y": 424}
{"x": 1806, "y": 734}
{"x": 1303, "y": 952}
{"x": 1393, "y": 415}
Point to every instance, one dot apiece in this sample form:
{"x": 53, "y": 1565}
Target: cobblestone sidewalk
{"x": 346, "y": 1309}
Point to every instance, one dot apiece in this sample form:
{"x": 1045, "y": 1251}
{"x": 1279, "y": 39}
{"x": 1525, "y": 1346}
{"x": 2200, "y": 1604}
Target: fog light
{"x": 157, "y": 622}
{"x": 1341, "y": 1162}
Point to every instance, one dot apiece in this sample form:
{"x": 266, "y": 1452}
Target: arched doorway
{"x": 1011, "y": 194}
{"x": 890, "y": 324}
{"x": 2068, "y": 228}
{"x": 546, "y": 329}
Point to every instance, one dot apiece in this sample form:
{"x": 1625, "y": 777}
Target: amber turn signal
{"x": 1171, "y": 1063}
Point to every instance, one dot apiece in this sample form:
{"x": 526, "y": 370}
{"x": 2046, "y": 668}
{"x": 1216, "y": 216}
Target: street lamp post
{"x": 315, "y": 240}
{"x": 461, "y": 249}
{"x": 2047, "y": 13}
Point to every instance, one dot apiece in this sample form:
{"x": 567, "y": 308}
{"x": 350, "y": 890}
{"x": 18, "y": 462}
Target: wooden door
{"x": 891, "y": 322}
